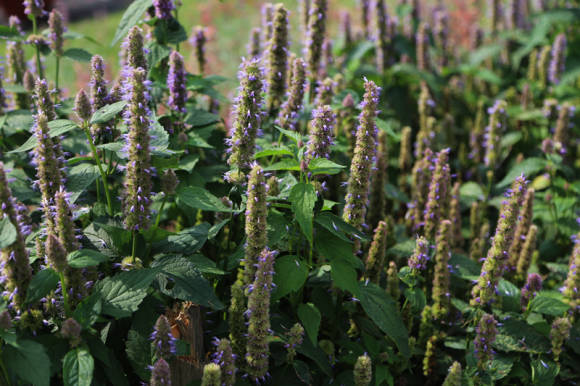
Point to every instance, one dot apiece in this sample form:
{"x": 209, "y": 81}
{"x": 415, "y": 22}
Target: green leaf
{"x": 108, "y": 112}
{"x": 544, "y": 372}
{"x": 303, "y": 198}
{"x": 338, "y": 227}
{"x": 130, "y": 18}
{"x": 56, "y": 128}
{"x": 77, "y": 367}
{"x": 8, "y": 232}
{"x": 188, "y": 241}
{"x": 402, "y": 249}
{"x": 324, "y": 166}
{"x": 470, "y": 192}
{"x": 88, "y": 310}
{"x": 80, "y": 177}
{"x": 156, "y": 53}
{"x": 201, "y": 118}
{"x": 280, "y": 151}
{"x": 200, "y": 198}
{"x": 291, "y": 273}
{"x": 41, "y": 284}
{"x": 344, "y": 275}
{"x": 204, "y": 265}
{"x": 529, "y": 167}
{"x": 186, "y": 282}
{"x": 121, "y": 294}
{"x": 29, "y": 361}
{"x": 416, "y": 298}
{"x": 310, "y": 318}
{"x": 293, "y": 135}
{"x": 78, "y": 55}
{"x": 85, "y": 258}
{"x": 139, "y": 351}
{"x": 547, "y": 305}
{"x": 382, "y": 310}
{"x": 286, "y": 164}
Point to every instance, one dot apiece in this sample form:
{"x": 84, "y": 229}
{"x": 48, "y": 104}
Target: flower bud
{"x": 522, "y": 228}
{"x": 558, "y": 59}
{"x": 559, "y": 334}
{"x": 438, "y": 197}
{"x": 454, "y": 376}
{"x": 288, "y": 115}
{"x": 136, "y": 198}
{"x": 198, "y": 41}
{"x": 441, "y": 281}
{"x": 267, "y": 23}
{"x": 43, "y": 100}
{"x": 256, "y": 216}
{"x": 363, "y": 371}
{"x": 455, "y": 217}
{"x": 236, "y": 319}
{"x": 484, "y": 291}
{"x": 525, "y": 257}
{"x": 225, "y": 358}
{"x": 422, "y": 47}
{"x": 176, "y": 83}
{"x": 325, "y": 92}
{"x": 430, "y": 358}
{"x": 494, "y": 131}
{"x": 257, "y": 350}
{"x": 381, "y": 36}
{"x": 134, "y": 52}
{"x": 393, "y": 281}
{"x": 363, "y": 158}
{"x": 365, "y": 15}
{"x": 71, "y": 330}
{"x": 82, "y": 106}
{"x": 163, "y": 8}
{"x": 405, "y": 152}
{"x": 486, "y": 333}
{"x": 378, "y": 201}
{"x": 34, "y": 7}
{"x": 418, "y": 261}
{"x": 294, "y": 337}
{"x": 163, "y": 340}
{"x": 543, "y": 64}
{"x": 16, "y": 272}
{"x": 212, "y": 375}
{"x": 376, "y": 256}
{"x": 571, "y": 290}
{"x": 254, "y": 47}
{"x": 277, "y": 58}
{"x": 532, "y": 74}
{"x": 315, "y": 36}
{"x": 247, "y": 116}
{"x": 320, "y": 141}
{"x": 563, "y": 125}
{"x": 346, "y": 28}
{"x": 529, "y": 290}
{"x": 160, "y": 374}
{"x": 56, "y": 28}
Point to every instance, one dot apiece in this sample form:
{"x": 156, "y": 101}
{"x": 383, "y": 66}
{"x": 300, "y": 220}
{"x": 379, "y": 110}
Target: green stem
{"x": 160, "y": 210}
{"x": 3, "y": 368}
{"x": 64, "y": 294}
{"x": 100, "y": 167}
{"x": 134, "y": 247}
{"x": 57, "y": 93}
{"x": 38, "y": 62}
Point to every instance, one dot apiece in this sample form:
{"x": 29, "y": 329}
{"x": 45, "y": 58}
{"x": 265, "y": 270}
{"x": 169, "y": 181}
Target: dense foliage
{"x": 385, "y": 207}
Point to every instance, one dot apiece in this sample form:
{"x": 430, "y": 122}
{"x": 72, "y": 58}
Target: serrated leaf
{"x": 382, "y": 310}
{"x": 107, "y": 112}
{"x": 200, "y": 198}
{"x": 529, "y": 167}
{"x": 416, "y": 298}
{"x": 310, "y": 317}
{"x": 121, "y": 294}
{"x": 156, "y": 53}
{"x": 201, "y": 118}
{"x": 29, "y": 361}
{"x": 324, "y": 166}
{"x": 547, "y": 305}
{"x": 8, "y": 232}
{"x": 186, "y": 281}
{"x": 544, "y": 372}
{"x": 280, "y": 151}
{"x": 79, "y": 178}
{"x": 338, "y": 226}
{"x": 303, "y": 198}
{"x": 78, "y": 54}
{"x": 188, "y": 241}
{"x": 42, "y": 283}
{"x": 470, "y": 192}
{"x": 291, "y": 273}
{"x": 130, "y": 18}
{"x": 85, "y": 258}
{"x": 286, "y": 164}
{"x": 56, "y": 128}
{"x": 88, "y": 310}
{"x": 77, "y": 367}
